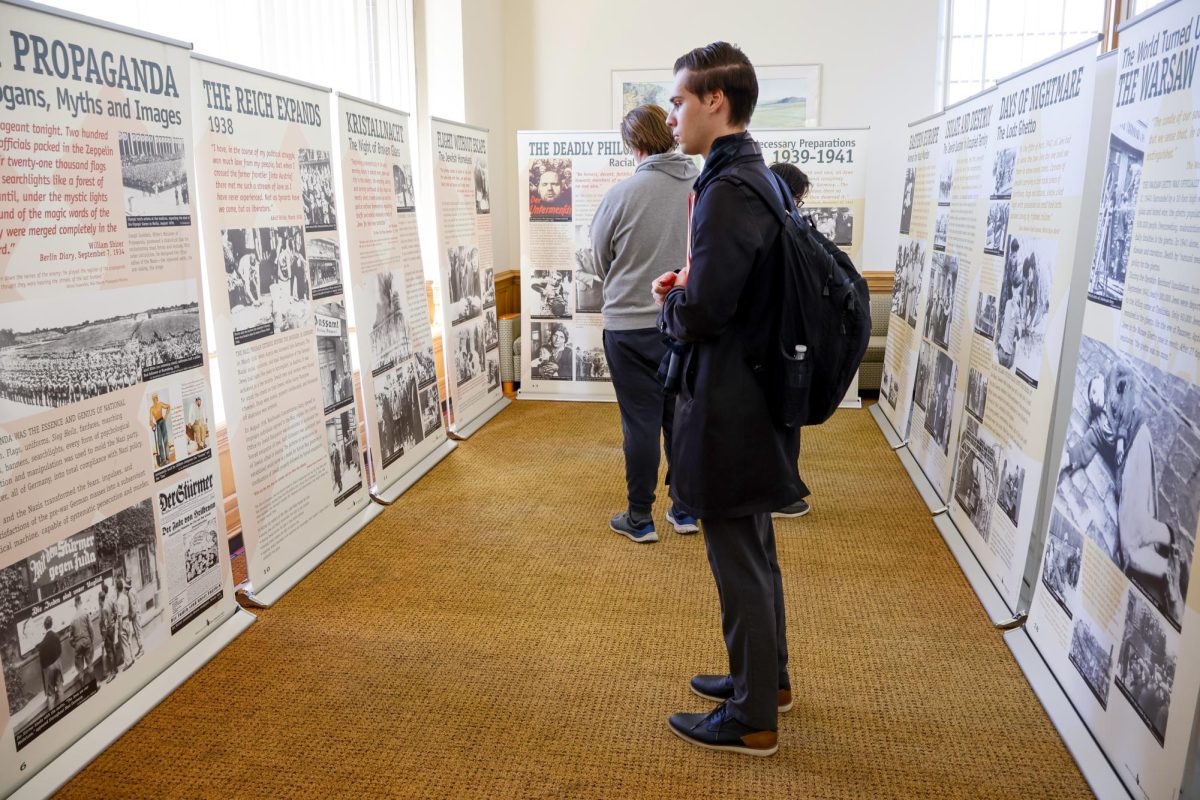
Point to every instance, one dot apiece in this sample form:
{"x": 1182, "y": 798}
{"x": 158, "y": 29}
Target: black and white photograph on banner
{"x": 489, "y": 288}
{"x": 906, "y": 288}
{"x": 198, "y": 422}
{"x": 390, "y": 340}
{"x": 1004, "y": 169}
{"x": 591, "y": 365}
{"x": 906, "y": 204}
{"x": 191, "y": 559}
{"x": 324, "y": 267}
{"x": 975, "y": 480}
{"x": 922, "y": 383}
{"x": 1062, "y": 562}
{"x": 397, "y": 401}
{"x": 493, "y": 370}
{"x": 76, "y": 615}
{"x": 939, "y": 302}
{"x": 341, "y": 438}
{"x": 1146, "y": 665}
{"x": 977, "y": 386}
{"x": 889, "y": 387}
{"x": 941, "y": 400}
{"x": 201, "y": 554}
{"x": 402, "y": 183}
{"x": 154, "y": 180}
{"x": 589, "y": 286}
{"x": 1126, "y": 466}
{"x": 483, "y": 193}
{"x": 423, "y": 364}
{"x": 985, "y": 316}
{"x": 316, "y": 189}
{"x": 463, "y": 279}
{"x": 550, "y": 189}
{"x": 491, "y": 330}
{"x": 550, "y": 353}
{"x": 554, "y": 293}
{"x": 469, "y": 352}
{"x": 266, "y": 277}
{"x": 835, "y": 223}
{"x": 54, "y": 353}
{"x": 1118, "y": 202}
{"x": 1012, "y": 485}
{"x": 941, "y": 227}
{"x": 333, "y": 355}
{"x": 997, "y": 227}
{"x": 1092, "y": 655}
{"x": 1025, "y": 305}
{"x": 945, "y": 181}
{"x": 431, "y": 411}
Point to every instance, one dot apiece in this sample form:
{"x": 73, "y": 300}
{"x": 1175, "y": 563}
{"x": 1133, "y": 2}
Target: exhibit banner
{"x": 964, "y": 182}
{"x": 1111, "y": 612}
{"x": 918, "y": 214}
{"x": 1017, "y": 300}
{"x": 835, "y": 161}
{"x": 470, "y": 327}
{"x": 562, "y": 177}
{"x": 270, "y": 232}
{"x": 391, "y": 311}
{"x": 113, "y": 561}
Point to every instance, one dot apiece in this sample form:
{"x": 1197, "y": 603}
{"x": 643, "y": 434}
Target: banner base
{"x": 266, "y": 597}
{"x": 989, "y": 597}
{"x": 480, "y": 420}
{"x": 1097, "y": 771}
{"x": 885, "y": 426}
{"x": 405, "y": 481}
{"x": 55, "y": 775}
{"x": 924, "y": 488}
{"x": 525, "y": 395}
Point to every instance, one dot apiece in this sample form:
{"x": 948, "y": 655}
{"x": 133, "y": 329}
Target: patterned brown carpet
{"x": 489, "y": 637}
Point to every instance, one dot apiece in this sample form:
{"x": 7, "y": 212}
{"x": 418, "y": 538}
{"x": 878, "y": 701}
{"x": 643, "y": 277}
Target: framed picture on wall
{"x": 788, "y": 96}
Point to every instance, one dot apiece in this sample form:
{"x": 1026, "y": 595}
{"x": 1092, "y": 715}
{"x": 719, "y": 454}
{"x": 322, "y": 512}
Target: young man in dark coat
{"x": 733, "y": 464}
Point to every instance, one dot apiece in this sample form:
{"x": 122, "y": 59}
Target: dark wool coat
{"x": 729, "y": 458}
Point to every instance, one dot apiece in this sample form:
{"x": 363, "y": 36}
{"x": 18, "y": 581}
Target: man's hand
{"x": 665, "y": 283}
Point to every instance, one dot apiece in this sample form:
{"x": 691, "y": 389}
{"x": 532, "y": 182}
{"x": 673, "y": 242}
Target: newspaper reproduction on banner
{"x": 395, "y": 344}
{"x": 470, "y": 329}
{"x": 1114, "y": 610}
{"x": 271, "y": 221}
{"x": 105, "y": 404}
{"x": 906, "y": 320}
{"x": 562, "y": 177}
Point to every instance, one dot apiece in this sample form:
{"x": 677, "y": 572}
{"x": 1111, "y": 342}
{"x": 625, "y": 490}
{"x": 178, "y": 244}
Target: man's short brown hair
{"x": 645, "y": 129}
{"x": 723, "y": 66}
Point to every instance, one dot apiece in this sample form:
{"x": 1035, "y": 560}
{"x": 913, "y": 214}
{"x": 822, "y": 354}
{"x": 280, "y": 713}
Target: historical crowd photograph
{"x": 55, "y": 353}
{"x": 324, "y": 267}
{"x": 550, "y": 189}
{"x": 431, "y": 410}
{"x": 906, "y": 288}
{"x": 402, "y": 185}
{"x": 463, "y": 280}
{"x": 1118, "y": 200}
{"x": 1025, "y": 305}
{"x": 399, "y": 410}
{"x": 1092, "y": 655}
{"x": 266, "y": 278}
{"x": 154, "y": 180}
{"x": 550, "y": 353}
{"x": 589, "y": 286}
{"x": 423, "y": 363}
{"x": 1128, "y": 445}
{"x": 939, "y": 302}
{"x": 554, "y": 293}
{"x": 941, "y": 400}
{"x": 1146, "y": 665}
{"x": 906, "y": 205}
{"x": 1062, "y": 561}
{"x": 469, "y": 352}
{"x": 834, "y": 223}
{"x": 390, "y": 340}
{"x": 316, "y": 189}
{"x": 975, "y": 479}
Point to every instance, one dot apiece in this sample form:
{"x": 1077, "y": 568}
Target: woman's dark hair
{"x": 723, "y": 66}
{"x": 797, "y": 181}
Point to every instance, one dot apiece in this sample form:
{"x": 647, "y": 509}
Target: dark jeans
{"x": 633, "y": 358}
{"x": 741, "y": 552}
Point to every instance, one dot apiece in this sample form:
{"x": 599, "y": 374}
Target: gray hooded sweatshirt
{"x": 639, "y": 232}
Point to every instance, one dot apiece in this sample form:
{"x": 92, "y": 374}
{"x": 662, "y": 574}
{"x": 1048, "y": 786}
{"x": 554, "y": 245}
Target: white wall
{"x": 554, "y": 60}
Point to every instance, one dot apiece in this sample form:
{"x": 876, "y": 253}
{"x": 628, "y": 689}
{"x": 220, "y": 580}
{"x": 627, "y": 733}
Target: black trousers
{"x": 633, "y": 358}
{"x": 741, "y": 552}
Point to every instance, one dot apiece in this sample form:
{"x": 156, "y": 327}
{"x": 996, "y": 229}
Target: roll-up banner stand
{"x": 906, "y": 321}
{"x": 1113, "y": 610}
{"x": 270, "y": 225}
{"x": 561, "y": 178}
{"x": 114, "y": 567}
{"x": 395, "y": 343}
{"x": 835, "y": 161}
{"x": 470, "y": 327}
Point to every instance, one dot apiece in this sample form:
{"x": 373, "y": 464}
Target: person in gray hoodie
{"x": 639, "y": 231}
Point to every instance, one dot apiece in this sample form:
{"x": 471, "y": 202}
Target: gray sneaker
{"x": 640, "y": 532}
{"x": 796, "y": 509}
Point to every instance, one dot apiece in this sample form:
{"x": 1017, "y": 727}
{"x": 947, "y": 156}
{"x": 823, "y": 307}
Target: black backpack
{"x": 824, "y": 322}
